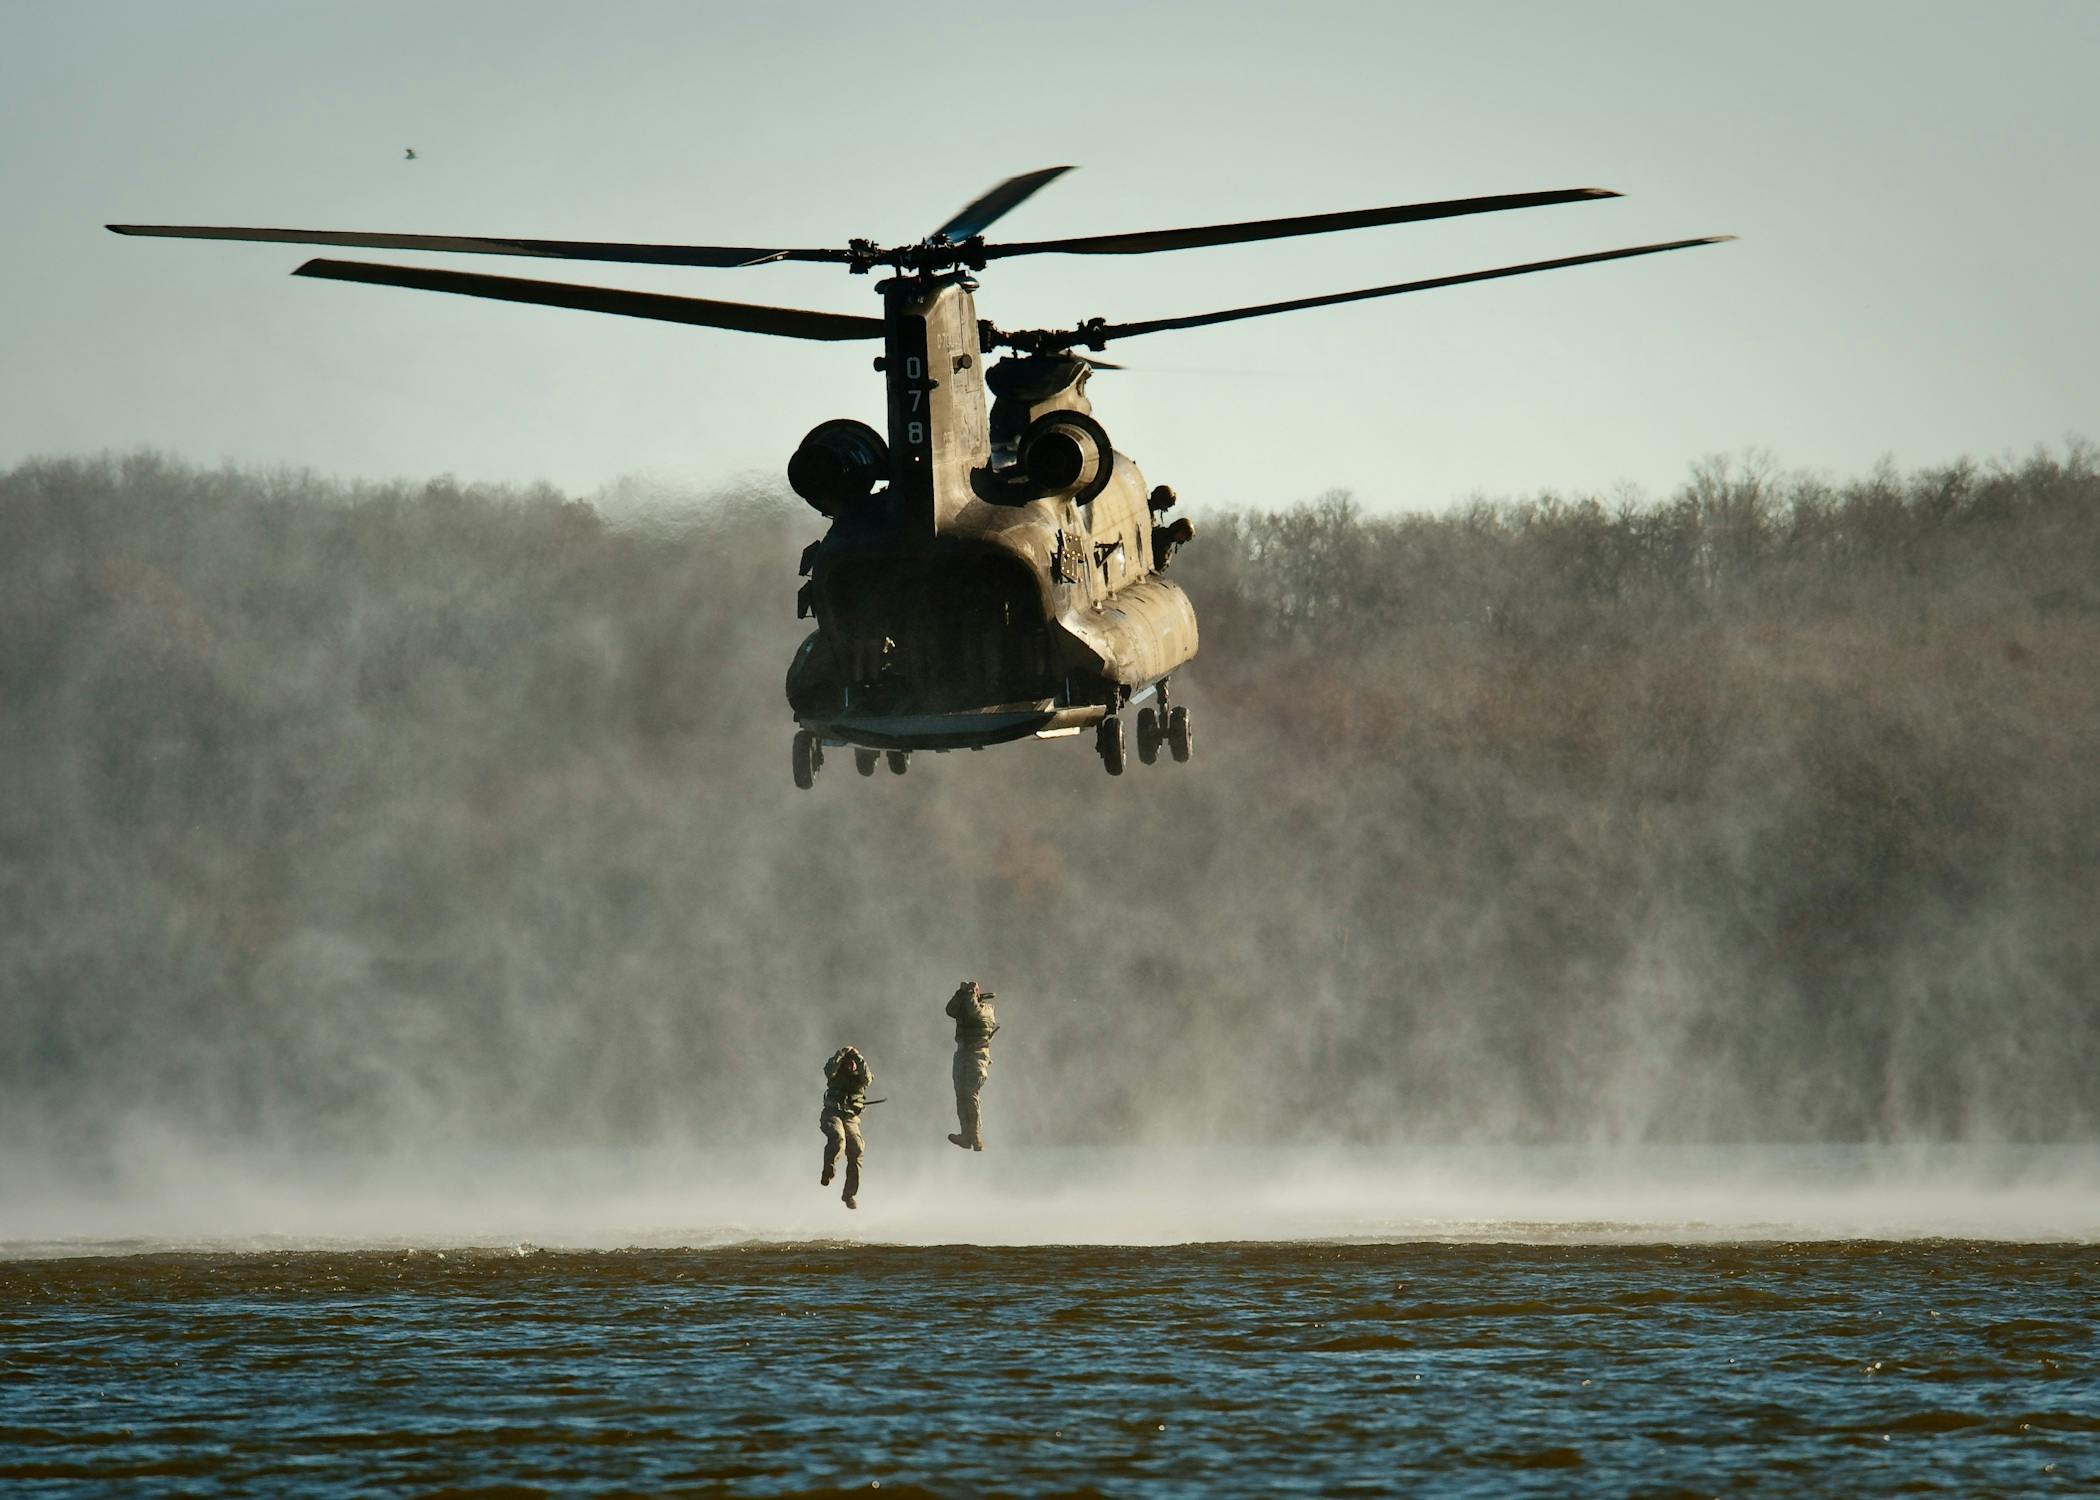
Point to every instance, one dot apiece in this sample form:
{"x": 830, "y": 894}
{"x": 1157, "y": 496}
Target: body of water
{"x": 1845, "y": 1367}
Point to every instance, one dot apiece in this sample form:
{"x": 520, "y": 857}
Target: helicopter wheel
{"x": 1108, "y": 741}
{"x": 1181, "y": 739}
{"x": 865, "y": 761}
{"x": 1148, "y": 735}
{"x": 808, "y": 756}
{"x": 900, "y": 761}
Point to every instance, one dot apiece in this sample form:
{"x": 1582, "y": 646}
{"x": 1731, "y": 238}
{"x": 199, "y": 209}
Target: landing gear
{"x": 1108, "y": 743}
{"x": 1158, "y": 726}
{"x": 1148, "y": 735}
{"x": 808, "y": 758}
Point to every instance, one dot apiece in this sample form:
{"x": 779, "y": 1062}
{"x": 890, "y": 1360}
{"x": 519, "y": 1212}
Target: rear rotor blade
{"x": 651, "y": 255}
{"x": 1147, "y": 241}
{"x": 745, "y": 317}
{"x": 995, "y": 204}
{"x": 1108, "y": 331}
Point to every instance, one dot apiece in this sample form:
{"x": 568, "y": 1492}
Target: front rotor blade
{"x": 1159, "y": 325}
{"x": 745, "y": 317}
{"x": 1001, "y": 200}
{"x": 649, "y": 255}
{"x": 1147, "y": 241}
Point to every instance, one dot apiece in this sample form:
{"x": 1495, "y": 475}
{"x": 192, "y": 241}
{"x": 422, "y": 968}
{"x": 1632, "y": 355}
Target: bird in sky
{"x": 411, "y": 156}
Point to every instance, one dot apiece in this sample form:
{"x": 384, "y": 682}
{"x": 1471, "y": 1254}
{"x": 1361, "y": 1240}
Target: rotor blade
{"x": 788, "y": 322}
{"x": 1001, "y": 200}
{"x": 1158, "y": 325}
{"x": 1147, "y": 241}
{"x": 651, "y": 255}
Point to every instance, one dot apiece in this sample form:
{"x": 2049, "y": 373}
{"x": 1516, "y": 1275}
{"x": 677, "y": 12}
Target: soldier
{"x": 971, "y": 1007}
{"x": 846, "y": 1079}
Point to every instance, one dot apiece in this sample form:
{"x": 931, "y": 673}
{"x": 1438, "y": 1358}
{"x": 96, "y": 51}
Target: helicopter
{"x": 991, "y": 571}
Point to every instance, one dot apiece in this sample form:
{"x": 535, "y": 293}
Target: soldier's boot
{"x": 852, "y": 1182}
{"x": 960, "y": 1140}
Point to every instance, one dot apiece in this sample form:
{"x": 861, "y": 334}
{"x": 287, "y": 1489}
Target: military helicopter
{"x": 988, "y": 575}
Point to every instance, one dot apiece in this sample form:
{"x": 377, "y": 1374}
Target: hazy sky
{"x": 1914, "y": 184}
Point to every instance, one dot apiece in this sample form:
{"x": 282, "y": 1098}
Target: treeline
{"x": 347, "y": 813}
{"x": 1739, "y": 541}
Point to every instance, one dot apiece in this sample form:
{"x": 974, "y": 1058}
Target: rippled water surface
{"x": 1940, "y": 1366}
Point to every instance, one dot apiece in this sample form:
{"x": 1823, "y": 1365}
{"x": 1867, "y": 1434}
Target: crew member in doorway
{"x": 971, "y": 1008}
{"x": 846, "y": 1079}
{"x": 1166, "y": 539}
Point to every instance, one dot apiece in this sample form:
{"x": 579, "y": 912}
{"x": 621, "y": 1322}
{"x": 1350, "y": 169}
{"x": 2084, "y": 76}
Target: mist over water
{"x": 913, "y": 1194}
{"x": 421, "y": 860}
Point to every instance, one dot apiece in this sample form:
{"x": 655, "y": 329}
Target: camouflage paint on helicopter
{"x": 988, "y": 575}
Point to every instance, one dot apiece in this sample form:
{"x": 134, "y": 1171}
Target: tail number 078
{"x": 915, "y": 370}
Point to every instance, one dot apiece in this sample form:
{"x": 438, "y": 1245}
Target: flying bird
{"x": 411, "y": 156}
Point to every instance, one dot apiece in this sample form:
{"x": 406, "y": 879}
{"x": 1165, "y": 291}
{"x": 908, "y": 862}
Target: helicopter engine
{"x": 1045, "y": 441}
{"x": 1066, "y": 453}
{"x": 838, "y": 464}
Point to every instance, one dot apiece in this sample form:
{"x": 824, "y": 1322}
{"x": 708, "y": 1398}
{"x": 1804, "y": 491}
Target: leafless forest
{"x": 345, "y": 812}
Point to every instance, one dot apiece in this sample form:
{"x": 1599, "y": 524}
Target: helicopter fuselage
{"x": 1005, "y": 583}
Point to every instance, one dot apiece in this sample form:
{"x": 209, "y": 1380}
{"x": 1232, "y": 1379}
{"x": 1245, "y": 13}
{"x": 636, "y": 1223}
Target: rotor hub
{"x": 928, "y": 257}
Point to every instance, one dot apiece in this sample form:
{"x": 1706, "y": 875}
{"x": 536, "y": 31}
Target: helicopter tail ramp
{"x": 971, "y": 730}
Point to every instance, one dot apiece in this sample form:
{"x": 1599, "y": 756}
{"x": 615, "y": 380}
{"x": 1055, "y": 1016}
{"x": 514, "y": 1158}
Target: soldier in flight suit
{"x": 846, "y": 1079}
{"x": 971, "y": 1007}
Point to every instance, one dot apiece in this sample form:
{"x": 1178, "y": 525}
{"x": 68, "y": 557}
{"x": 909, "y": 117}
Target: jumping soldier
{"x": 971, "y": 1008}
{"x": 846, "y": 1079}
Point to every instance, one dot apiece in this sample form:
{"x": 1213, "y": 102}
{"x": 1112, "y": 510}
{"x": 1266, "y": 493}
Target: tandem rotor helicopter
{"x": 988, "y": 575}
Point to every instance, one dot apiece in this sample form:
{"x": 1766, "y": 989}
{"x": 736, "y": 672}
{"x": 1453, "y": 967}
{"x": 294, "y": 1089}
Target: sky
{"x": 1913, "y": 185}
